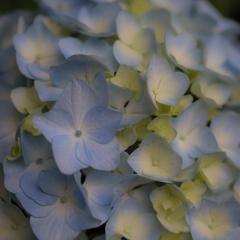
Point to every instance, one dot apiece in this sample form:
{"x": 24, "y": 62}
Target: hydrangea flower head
{"x": 119, "y": 119}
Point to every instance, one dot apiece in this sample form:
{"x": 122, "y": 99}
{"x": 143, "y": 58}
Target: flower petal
{"x": 54, "y": 123}
{"x": 127, "y": 27}
{"x": 126, "y": 55}
{"x": 101, "y": 124}
{"x": 172, "y": 87}
{"x": 64, "y": 151}
{"x": 53, "y": 182}
{"x": 200, "y": 141}
{"x": 30, "y": 186}
{"x": 98, "y": 156}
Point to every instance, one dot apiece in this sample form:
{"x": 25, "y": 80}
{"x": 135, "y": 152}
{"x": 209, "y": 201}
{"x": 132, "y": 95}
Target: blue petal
{"x": 77, "y": 98}
{"x": 37, "y": 72}
{"x": 73, "y": 185}
{"x": 78, "y": 67}
{"x": 34, "y": 147}
{"x": 53, "y": 226}
{"x": 101, "y": 213}
{"x": 99, "y": 156}
{"x": 13, "y": 171}
{"x": 53, "y": 182}
{"x": 100, "y": 185}
{"x": 128, "y": 184}
{"x": 64, "y": 150}
{"x": 67, "y": 71}
{"x": 70, "y": 46}
{"x": 99, "y": 19}
{"x": 130, "y": 119}
{"x": 93, "y": 46}
{"x": 101, "y": 124}
{"x": 99, "y": 84}
{"x": 30, "y": 186}
{"x": 32, "y": 207}
{"x": 78, "y": 214}
{"x": 200, "y": 141}
{"x": 54, "y": 123}
{"x": 47, "y": 91}
{"x": 22, "y": 66}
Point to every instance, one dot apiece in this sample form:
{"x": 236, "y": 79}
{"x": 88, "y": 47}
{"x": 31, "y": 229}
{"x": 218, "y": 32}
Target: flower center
{"x": 39, "y": 161}
{"x": 182, "y": 137}
{"x": 155, "y": 91}
{"x": 127, "y": 231}
{"x": 145, "y": 66}
{"x": 64, "y": 199}
{"x": 78, "y": 133}
{"x": 123, "y": 110}
{"x": 37, "y": 58}
{"x": 130, "y": 193}
{"x": 14, "y": 226}
{"x": 155, "y": 163}
{"x": 212, "y": 226}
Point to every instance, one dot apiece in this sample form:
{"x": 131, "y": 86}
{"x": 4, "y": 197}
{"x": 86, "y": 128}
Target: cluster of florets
{"x": 123, "y": 113}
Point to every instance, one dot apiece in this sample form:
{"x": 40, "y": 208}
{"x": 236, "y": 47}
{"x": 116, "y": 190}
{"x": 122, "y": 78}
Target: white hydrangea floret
{"x": 226, "y": 129}
{"x": 134, "y": 40}
{"x": 194, "y": 138}
{"x": 212, "y": 89}
{"x": 183, "y": 52}
{"x": 163, "y": 84}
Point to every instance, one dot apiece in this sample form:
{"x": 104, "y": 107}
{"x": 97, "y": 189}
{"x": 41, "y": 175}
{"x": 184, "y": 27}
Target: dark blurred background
{"x": 229, "y": 8}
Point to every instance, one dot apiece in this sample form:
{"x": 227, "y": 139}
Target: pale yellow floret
{"x": 161, "y": 126}
{"x": 129, "y": 79}
{"x": 26, "y": 100}
{"x": 29, "y": 126}
{"x": 215, "y": 171}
